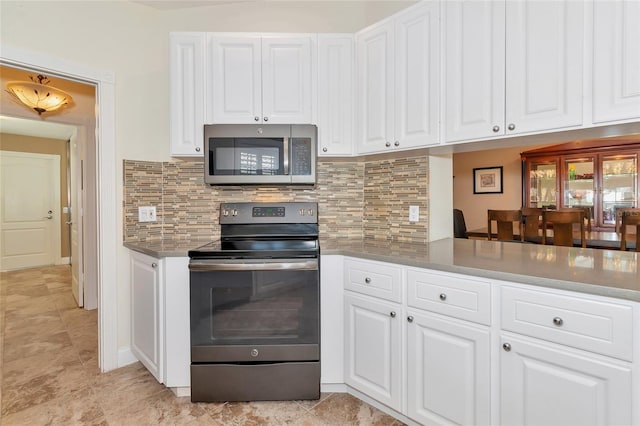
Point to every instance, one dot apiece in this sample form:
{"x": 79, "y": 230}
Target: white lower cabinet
{"x": 542, "y": 384}
{"x": 146, "y": 315}
{"x": 448, "y": 374}
{"x": 160, "y": 318}
{"x": 373, "y": 348}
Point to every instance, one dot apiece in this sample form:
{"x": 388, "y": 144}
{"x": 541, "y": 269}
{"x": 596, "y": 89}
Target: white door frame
{"x": 106, "y": 185}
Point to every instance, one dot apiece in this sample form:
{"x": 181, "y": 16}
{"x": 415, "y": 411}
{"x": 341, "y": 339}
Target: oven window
{"x": 246, "y": 156}
{"x": 254, "y": 307}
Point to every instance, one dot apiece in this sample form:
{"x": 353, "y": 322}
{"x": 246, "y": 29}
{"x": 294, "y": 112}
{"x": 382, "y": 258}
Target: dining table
{"x": 594, "y": 239}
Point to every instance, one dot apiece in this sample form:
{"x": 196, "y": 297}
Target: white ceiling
{"x": 36, "y": 128}
{"x": 177, "y": 4}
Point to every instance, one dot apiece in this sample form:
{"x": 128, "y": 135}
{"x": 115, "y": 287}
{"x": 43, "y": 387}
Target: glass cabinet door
{"x": 619, "y": 180}
{"x": 579, "y": 186}
{"x": 542, "y": 184}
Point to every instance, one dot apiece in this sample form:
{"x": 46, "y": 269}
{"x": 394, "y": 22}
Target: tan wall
{"x": 475, "y": 206}
{"x": 45, "y": 146}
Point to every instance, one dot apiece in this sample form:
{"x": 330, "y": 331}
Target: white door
{"x": 234, "y": 79}
{"x": 474, "y": 69}
{"x": 29, "y": 210}
{"x": 544, "y": 65}
{"x": 544, "y": 385}
{"x": 448, "y": 371}
{"x": 375, "y": 68}
{"x": 417, "y": 72}
{"x": 286, "y": 80}
{"x": 75, "y": 216}
{"x": 616, "y": 60}
{"x": 372, "y": 349}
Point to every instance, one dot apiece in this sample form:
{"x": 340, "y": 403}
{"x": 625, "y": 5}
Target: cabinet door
{"x": 335, "y": 94}
{"x": 474, "y": 69}
{"x": 146, "y": 333}
{"x": 375, "y": 88}
{"x": 417, "y": 59}
{"x": 616, "y": 60}
{"x": 372, "y": 349}
{"x": 234, "y": 79}
{"x": 448, "y": 370}
{"x": 543, "y": 183}
{"x": 544, "y": 385}
{"x": 286, "y": 80}
{"x": 544, "y": 65}
{"x": 186, "y": 81}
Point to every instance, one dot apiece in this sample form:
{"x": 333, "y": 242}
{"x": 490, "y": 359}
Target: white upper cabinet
{"x": 616, "y": 61}
{"x": 259, "y": 79}
{"x": 186, "y": 83}
{"x": 532, "y": 49}
{"x": 335, "y": 94}
{"x": 398, "y": 77}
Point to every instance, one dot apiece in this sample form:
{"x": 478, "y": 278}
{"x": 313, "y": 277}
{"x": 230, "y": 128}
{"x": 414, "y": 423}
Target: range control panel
{"x": 247, "y": 213}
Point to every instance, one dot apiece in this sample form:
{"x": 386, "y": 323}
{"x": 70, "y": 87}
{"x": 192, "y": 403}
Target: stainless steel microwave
{"x": 255, "y": 154}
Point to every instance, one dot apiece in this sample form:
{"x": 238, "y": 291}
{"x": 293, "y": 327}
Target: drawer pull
{"x": 392, "y": 314}
{"x": 506, "y": 347}
{"x": 367, "y": 280}
{"x": 443, "y": 296}
{"x": 410, "y": 318}
{"x": 558, "y": 321}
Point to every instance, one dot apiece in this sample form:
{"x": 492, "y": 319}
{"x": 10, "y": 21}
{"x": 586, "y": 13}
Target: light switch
{"x": 147, "y": 214}
{"x": 414, "y": 213}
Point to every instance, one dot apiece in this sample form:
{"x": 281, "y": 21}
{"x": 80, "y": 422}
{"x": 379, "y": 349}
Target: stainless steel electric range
{"x": 255, "y": 305}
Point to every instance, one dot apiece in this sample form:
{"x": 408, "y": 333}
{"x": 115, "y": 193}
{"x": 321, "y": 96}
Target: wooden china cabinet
{"x": 602, "y": 175}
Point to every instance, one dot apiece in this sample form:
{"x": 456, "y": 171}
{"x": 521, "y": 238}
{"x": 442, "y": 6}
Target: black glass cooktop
{"x": 258, "y": 248}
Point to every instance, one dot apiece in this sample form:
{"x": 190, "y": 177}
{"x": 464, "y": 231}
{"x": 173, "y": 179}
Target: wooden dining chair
{"x": 562, "y": 224}
{"x": 630, "y": 218}
{"x": 620, "y": 211}
{"x": 505, "y": 220}
{"x": 531, "y": 224}
{"x": 587, "y": 214}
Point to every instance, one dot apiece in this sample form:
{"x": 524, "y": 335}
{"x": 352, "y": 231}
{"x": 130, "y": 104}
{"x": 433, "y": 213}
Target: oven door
{"x": 257, "y": 310}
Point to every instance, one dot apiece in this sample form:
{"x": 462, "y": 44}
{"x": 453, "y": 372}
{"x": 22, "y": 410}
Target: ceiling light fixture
{"x": 38, "y": 95}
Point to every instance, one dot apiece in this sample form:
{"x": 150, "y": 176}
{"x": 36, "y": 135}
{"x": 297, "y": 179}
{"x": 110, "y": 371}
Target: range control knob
{"x": 301, "y": 212}
{"x": 225, "y": 213}
{"x": 310, "y": 212}
{"x": 234, "y": 212}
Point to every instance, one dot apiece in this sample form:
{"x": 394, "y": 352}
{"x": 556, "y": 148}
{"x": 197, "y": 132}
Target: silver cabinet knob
{"x": 154, "y": 265}
{"x": 388, "y": 144}
{"x": 392, "y": 314}
{"x": 558, "y": 321}
{"x": 511, "y": 126}
{"x": 496, "y": 129}
{"x": 506, "y": 347}
{"x": 397, "y": 143}
{"x": 410, "y": 318}
{"x": 256, "y": 118}
{"x": 324, "y": 149}
{"x": 266, "y": 119}
{"x": 367, "y": 280}
{"x": 443, "y": 296}
{"x": 197, "y": 149}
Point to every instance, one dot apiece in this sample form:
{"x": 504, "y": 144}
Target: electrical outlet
{"x": 147, "y": 214}
{"x": 414, "y": 213}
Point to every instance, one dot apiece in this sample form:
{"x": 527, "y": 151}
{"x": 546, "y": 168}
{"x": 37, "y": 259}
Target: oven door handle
{"x": 248, "y": 265}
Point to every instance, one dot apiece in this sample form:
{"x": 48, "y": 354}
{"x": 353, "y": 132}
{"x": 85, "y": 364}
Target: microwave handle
{"x": 286, "y": 147}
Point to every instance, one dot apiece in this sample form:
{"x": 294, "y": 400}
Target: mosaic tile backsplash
{"x": 356, "y": 199}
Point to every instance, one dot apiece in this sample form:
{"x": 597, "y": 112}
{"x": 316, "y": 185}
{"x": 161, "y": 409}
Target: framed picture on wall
{"x": 487, "y": 180}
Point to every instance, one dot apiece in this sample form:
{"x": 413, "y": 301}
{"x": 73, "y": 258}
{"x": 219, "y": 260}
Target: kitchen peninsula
{"x": 478, "y": 315}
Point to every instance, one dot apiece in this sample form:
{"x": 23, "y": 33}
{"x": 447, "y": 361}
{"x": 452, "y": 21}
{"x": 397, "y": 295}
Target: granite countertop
{"x": 600, "y": 272}
{"x": 611, "y": 273}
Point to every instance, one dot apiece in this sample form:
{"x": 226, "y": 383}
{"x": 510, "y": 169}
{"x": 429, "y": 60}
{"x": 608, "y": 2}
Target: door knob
{"x": 69, "y": 223}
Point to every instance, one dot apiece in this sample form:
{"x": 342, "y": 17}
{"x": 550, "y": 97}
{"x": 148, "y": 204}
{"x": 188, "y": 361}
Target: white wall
{"x": 131, "y": 40}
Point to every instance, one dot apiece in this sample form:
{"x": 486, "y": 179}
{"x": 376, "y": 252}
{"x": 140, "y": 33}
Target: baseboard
{"x": 181, "y": 391}
{"x": 390, "y": 411}
{"x": 333, "y": 388}
{"x": 63, "y": 261}
{"x": 126, "y": 357}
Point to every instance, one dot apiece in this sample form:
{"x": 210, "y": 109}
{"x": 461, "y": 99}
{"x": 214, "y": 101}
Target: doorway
{"x": 106, "y": 234}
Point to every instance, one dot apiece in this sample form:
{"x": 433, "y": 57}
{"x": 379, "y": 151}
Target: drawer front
{"x": 449, "y": 294}
{"x": 374, "y": 279}
{"x": 592, "y": 325}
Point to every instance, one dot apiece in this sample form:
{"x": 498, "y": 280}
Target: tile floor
{"x": 49, "y": 372}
